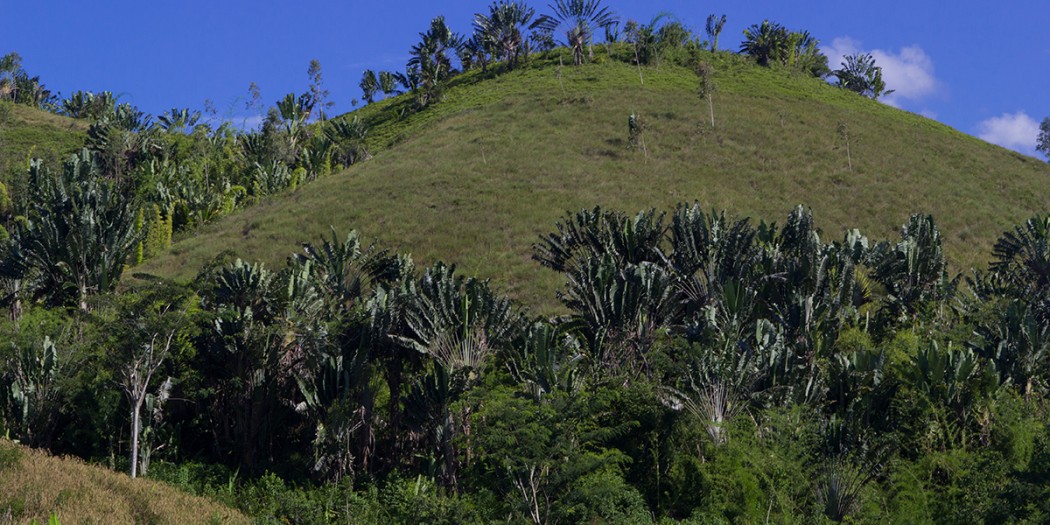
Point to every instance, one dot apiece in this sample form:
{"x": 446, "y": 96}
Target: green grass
{"x": 26, "y": 133}
{"x": 477, "y": 177}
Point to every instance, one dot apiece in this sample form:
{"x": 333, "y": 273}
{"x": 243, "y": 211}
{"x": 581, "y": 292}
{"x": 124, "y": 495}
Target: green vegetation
{"x": 709, "y": 368}
{"x": 860, "y": 75}
{"x": 574, "y": 22}
{"x": 771, "y": 43}
{"x": 1043, "y": 143}
{"x": 27, "y": 133}
{"x": 476, "y": 177}
{"x": 17, "y": 86}
{"x": 685, "y": 365}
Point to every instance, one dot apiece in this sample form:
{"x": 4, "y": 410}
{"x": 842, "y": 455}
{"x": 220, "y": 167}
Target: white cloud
{"x": 1016, "y": 131}
{"x": 839, "y": 48}
{"x": 250, "y": 122}
{"x": 242, "y": 122}
{"x": 908, "y": 72}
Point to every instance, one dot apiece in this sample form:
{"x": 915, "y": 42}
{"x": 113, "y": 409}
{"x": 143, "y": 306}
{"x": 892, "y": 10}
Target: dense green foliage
{"x": 709, "y": 369}
{"x": 860, "y": 75}
{"x": 128, "y": 185}
{"x": 706, "y": 368}
{"x": 771, "y": 43}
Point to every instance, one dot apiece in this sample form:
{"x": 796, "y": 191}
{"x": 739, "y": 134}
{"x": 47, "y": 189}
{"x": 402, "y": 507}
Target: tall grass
{"x": 36, "y": 486}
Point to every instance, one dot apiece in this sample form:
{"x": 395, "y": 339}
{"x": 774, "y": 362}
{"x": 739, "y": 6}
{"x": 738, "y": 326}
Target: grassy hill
{"x": 34, "y": 485}
{"x": 475, "y": 178}
{"x": 28, "y": 132}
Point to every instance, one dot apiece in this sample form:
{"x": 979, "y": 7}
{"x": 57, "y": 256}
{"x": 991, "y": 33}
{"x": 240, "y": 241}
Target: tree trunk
{"x": 136, "y": 421}
{"x": 394, "y": 378}
{"x": 711, "y": 107}
{"x": 82, "y": 291}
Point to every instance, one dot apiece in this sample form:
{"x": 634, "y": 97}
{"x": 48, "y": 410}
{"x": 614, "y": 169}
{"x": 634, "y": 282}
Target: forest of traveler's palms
{"x": 540, "y": 277}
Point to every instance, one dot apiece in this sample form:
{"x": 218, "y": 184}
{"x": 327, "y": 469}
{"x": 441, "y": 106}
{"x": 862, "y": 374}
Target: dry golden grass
{"x": 34, "y": 485}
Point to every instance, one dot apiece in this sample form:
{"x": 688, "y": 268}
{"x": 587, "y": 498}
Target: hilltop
{"x": 475, "y": 178}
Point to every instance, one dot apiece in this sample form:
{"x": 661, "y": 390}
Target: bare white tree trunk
{"x": 136, "y": 423}
{"x": 532, "y": 492}
{"x": 137, "y": 376}
{"x": 711, "y": 108}
{"x": 844, "y": 131}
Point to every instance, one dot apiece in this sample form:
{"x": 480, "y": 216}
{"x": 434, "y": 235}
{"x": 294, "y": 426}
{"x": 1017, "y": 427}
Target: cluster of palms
{"x": 507, "y": 34}
{"x": 501, "y": 36}
{"x": 16, "y": 85}
{"x": 770, "y": 42}
{"x": 860, "y": 75}
{"x": 351, "y": 363}
{"x": 137, "y": 182}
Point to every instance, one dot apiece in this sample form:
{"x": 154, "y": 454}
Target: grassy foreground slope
{"x": 475, "y": 178}
{"x": 34, "y": 485}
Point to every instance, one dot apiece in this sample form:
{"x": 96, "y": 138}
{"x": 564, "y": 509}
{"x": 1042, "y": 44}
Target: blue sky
{"x": 980, "y": 67}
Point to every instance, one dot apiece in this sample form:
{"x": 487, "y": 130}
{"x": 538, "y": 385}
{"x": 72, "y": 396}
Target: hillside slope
{"x": 34, "y": 485}
{"x": 27, "y": 132}
{"x": 477, "y": 177}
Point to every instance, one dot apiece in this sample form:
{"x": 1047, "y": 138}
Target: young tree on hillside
{"x": 176, "y": 120}
{"x": 766, "y": 42}
{"x": 672, "y": 35}
{"x": 348, "y": 141}
{"x": 1043, "y": 143}
{"x": 369, "y": 86}
{"x": 291, "y": 117}
{"x": 706, "y": 72}
{"x": 714, "y": 28}
{"x": 31, "y": 390}
{"x": 860, "y": 75}
{"x": 388, "y": 83}
{"x": 10, "y": 64}
{"x": 317, "y": 89}
{"x": 643, "y": 38}
{"x": 148, "y": 329}
{"x": 578, "y": 19}
{"x": 254, "y": 97}
{"x": 770, "y": 42}
{"x": 88, "y": 105}
{"x": 16, "y": 85}
{"x": 475, "y": 52}
{"x": 501, "y": 29}
{"x": 805, "y": 56}
{"x": 431, "y": 59}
